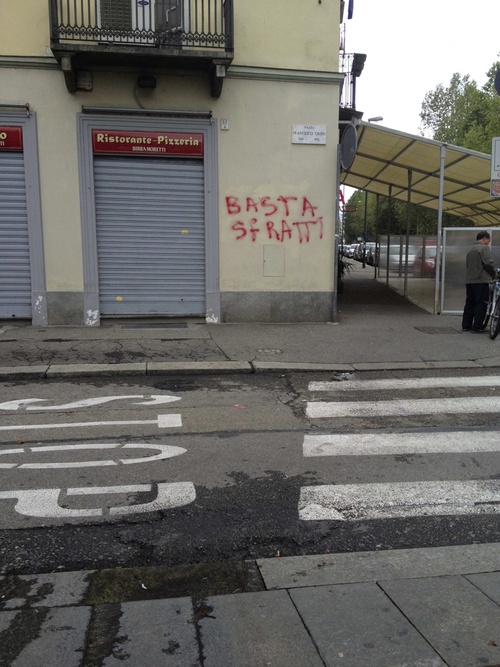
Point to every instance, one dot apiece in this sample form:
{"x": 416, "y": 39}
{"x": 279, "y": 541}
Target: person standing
{"x": 479, "y": 272}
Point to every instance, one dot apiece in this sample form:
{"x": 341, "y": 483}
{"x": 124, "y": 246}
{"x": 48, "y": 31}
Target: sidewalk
{"x": 418, "y": 608}
{"x": 378, "y": 329}
{"x": 403, "y": 608}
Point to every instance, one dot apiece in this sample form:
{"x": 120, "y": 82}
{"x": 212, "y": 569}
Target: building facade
{"x": 168, "y": 158}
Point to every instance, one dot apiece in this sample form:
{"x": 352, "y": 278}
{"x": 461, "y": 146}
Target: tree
{"x": 463, "y": 114}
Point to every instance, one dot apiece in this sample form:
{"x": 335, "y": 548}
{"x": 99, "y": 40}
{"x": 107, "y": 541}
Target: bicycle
{"x": 493, "y": 311}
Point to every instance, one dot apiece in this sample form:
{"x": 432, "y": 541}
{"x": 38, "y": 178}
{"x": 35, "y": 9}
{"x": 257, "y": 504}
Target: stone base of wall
{"x": 65, "y": 308}
{"x": 276, "y": 306}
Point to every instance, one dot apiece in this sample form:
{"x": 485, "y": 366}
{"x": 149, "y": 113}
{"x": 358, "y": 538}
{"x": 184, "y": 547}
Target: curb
{"x": 226, "y": 367}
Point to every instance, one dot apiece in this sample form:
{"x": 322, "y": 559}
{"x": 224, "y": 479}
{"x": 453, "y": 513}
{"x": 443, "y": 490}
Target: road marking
{"x": 410, "y": 383}
{"x": 155, "y": 399}
{"x": 402, "y": 408}
{"x": 162, "y": 421}
{"x": 44, "y": 503}
{"x": 165, "y": 452}
{"x": 386, "y": 444}
{"x": 398, "y": 500}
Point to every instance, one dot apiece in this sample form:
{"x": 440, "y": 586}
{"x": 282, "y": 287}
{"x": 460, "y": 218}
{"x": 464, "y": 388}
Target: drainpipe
{"x": 439, "y": 229}
{"x": 335, "y": 313}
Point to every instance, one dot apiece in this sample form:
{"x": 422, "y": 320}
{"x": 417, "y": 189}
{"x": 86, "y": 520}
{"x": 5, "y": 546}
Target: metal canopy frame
{"x": 457, "y": 177}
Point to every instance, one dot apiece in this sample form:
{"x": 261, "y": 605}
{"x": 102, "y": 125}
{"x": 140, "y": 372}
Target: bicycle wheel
{"x": 495, "y": 321}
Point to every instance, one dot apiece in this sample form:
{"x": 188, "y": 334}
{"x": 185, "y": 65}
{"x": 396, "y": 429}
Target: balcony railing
{"x": 194, "y": 24}
{"x": 197, "y": 34}
{"x": 351, "y": 64}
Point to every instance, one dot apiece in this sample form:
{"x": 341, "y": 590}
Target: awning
{"x": 385, "y": 157}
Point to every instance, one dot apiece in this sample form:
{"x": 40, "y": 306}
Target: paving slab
{"x": 459, "y": 621}
{"x": 54, "y": 637}
{"x": 356, "y": 625}
{"x": 488, "y": 583}
{"x": 144, "y": 634}
{"x": 295, "y": 571}
{"x": 255, "y": 630}
{"x": 61, "y": 589}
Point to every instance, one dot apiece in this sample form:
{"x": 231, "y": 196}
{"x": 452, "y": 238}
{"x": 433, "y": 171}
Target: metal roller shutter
{"x": 150, "y": 216}
{"x": 15, "y": 273}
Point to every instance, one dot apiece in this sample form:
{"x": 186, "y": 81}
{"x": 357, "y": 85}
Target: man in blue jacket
{"x": 479, "y": 272}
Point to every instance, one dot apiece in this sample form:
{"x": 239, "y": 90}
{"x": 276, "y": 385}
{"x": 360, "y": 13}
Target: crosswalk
{"x": 373, "y": 500}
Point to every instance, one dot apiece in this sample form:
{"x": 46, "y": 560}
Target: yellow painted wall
{"x": 294, "y": 34}
{"x": 24, "y": 28}
{"x": 258, "y": 160}
{"x": 291, "y": 34}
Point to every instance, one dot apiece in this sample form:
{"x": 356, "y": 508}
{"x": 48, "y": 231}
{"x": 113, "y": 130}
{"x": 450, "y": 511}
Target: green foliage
{"x": 463, "y": 114}
{"x": 391, "y": 219}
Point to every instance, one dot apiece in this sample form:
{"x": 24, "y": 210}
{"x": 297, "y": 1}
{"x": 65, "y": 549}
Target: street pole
{"x": 364, "y": 228}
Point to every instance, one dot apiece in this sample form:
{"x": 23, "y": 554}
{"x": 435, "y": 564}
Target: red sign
{"x": 11, "y": 138}
{"x": 124, "y": 142}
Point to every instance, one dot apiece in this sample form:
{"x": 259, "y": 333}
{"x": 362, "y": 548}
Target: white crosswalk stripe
{"x": 354, "y": 502}
{"x": 400, "y": 408}
{"x": 377, "y": 444}
{"x": 398, "y": 499}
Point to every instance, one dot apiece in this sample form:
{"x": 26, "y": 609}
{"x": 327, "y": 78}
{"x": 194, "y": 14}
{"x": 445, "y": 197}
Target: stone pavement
{"x": 402, "y": 608}
{"x": 410, "y": 607}
{"x": 378, "y": 329}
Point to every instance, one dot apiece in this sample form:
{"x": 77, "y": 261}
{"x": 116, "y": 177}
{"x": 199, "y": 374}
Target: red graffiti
{"x": 290, "y": 212}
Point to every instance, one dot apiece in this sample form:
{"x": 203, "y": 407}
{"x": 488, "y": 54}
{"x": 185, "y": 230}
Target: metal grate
{"x": 438, "y": 330}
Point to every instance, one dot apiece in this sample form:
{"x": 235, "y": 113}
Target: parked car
{"x": 424, "y": 264}
{"x": 370, "y": 248}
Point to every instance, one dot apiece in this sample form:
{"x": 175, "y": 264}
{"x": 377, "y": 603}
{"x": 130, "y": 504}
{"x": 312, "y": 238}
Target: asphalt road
{"x": 165, "y": 471}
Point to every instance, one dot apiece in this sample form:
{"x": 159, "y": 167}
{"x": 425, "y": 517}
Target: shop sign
{"x": 11, "y": 138}
{"x": 125, "y": 142}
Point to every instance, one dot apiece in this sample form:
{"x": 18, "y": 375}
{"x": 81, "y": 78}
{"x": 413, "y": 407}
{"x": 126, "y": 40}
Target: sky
{"x": 411, "y": 47}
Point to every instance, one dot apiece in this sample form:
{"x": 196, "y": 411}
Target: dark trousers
{"x": 476, "y": 302}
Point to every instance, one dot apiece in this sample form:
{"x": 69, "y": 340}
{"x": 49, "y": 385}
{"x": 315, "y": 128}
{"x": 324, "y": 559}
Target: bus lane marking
{"x": 45, "y": 503}
{"x": 165, "y": 452}
{"x": 162, "y": 421}
{"x": 26, "y": 403}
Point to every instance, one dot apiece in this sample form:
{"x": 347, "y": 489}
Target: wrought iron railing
{"x": 198, "y": 24}
{"x": 351, "y": 64}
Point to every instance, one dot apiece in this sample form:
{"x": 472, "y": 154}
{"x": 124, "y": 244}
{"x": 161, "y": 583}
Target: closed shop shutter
{"x": 150, "y": 218}
{"x": 15, "y": 273}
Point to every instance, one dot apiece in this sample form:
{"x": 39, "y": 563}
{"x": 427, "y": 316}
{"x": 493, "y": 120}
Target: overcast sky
{"x": 411, "y": 47}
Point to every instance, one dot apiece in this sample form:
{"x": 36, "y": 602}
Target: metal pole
{"x": 408, "y": 216}
{"x": 439, "y": 229}
{"x": 376, "y": 259}
{"x": 389, "y": 214}
{"x": 364, "y": 229}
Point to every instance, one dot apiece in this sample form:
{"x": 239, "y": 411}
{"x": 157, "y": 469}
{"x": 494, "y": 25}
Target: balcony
{"x": 351, "y": 64}
{"x": 143, "y": 34}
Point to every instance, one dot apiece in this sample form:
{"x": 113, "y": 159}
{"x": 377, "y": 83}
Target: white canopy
{"x": 385, "y": 157}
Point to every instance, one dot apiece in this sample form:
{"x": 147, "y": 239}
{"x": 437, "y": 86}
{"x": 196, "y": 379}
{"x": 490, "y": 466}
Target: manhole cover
{"x": 438, "y": 330}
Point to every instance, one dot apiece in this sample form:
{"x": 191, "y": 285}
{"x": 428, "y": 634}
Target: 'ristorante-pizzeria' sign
{"x": 11, "y": 138}
{"x": 124, "y": 142}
